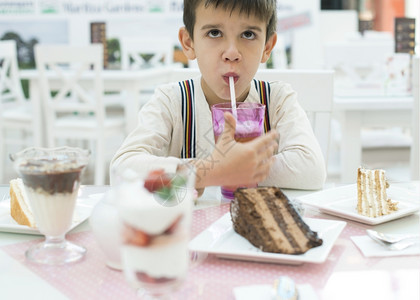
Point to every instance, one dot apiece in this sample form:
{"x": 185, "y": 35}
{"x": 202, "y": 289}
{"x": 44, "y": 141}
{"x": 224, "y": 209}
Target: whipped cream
{"x": 53, "y": 213}
{"x": 142, "y": 211}
{"x": 169, "y": 261}
{"x": 167, "y": 255}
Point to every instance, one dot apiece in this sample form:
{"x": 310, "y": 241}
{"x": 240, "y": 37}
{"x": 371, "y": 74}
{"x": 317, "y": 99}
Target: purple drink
{"x": 249, "y": 125}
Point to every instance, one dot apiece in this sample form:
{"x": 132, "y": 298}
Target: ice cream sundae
{"x": 155, "y": 226}
{"x": 51, "y": 178}
{"x": 52, "y": 187}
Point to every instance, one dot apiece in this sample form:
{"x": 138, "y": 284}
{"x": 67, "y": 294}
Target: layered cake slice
{"x": 268, "y": 220}
{"x": 19, "y": 206}
{"x": 372, "y": 199}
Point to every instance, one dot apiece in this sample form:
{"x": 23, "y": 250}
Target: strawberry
{"x": 143, "y": 277}
{"x": 156, "y": 180}
{"x": 135, "y": 237}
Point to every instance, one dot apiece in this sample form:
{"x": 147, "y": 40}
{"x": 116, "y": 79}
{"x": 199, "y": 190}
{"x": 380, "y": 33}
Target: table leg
{"x": 351, "y": 148}
{"x": 415, "y": 144}
{"x": 415, "y": 151}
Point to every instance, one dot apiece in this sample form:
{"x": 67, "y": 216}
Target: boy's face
{"x": 227, "y": 44}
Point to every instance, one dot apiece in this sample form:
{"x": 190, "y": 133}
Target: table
{"x": 356, "y": 112}
{"x": 346, "y": 274}
{"x": 130, "y": 81}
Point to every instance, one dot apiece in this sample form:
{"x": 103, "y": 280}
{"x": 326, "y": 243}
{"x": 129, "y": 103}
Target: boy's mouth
{"x": 227, "y": 75}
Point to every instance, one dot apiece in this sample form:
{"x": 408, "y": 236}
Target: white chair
{"x": 72, "y": 94}
{"x": 368, "y": 76}
{"x": 139, "y": 53}
{"x": 314, "y": 89}
{"x": 359, "y": 65}
{"x": 20, "y": 121}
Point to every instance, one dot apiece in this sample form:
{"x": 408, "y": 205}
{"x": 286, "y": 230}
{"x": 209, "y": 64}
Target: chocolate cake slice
{"x": 267, "y": 219}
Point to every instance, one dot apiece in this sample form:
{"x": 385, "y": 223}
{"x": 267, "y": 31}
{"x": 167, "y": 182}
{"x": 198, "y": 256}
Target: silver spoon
{"x": 397, "y": 246}
{"x": 390, "y": 238}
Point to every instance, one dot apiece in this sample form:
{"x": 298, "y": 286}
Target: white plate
{"x": 88, "y": 197}
{"x": 342, "y": 202}
{"x": 220, "y": 239}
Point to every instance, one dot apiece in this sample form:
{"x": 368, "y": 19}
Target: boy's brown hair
{"x": 262, "y": 9}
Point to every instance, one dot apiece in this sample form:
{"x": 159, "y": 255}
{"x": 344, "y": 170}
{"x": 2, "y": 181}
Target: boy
{"x": 228, "y": 38}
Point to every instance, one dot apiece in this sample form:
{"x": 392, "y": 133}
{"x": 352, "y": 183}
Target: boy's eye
{"x": 249, "y": 35}
{"x": 214, "y": 33}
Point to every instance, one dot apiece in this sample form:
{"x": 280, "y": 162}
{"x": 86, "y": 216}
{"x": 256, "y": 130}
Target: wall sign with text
{"x": 77, "y": 7}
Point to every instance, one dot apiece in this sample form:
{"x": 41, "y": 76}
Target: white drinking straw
{"x": 233, "y": 97}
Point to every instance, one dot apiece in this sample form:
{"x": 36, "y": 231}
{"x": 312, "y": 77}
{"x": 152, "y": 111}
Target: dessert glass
{"x": 155, "y": 219}
{"x": 249, "y": 125}
{"x": 51, "y": 178}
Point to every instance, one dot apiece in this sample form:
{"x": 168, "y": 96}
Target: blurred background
{"x": 312, "y": 35}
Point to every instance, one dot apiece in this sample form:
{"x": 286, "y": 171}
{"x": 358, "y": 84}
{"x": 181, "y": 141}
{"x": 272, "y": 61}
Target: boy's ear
{"x": 269, "y": 45}
{"x": 186, "y": 43}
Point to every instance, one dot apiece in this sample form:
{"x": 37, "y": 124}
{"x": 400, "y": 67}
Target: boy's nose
{"x": 232, "y": 53}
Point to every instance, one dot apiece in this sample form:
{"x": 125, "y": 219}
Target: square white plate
{"x": 88, "y": 197}
{"x": 220, "y": 239}
{"x": 342, "y": 202}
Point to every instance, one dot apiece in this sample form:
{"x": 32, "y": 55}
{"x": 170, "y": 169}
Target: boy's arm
{"x": 230, "y": 162}
{"x": 148, "y": 146}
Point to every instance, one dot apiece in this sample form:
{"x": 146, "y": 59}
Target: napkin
{"x": 370, "y": 248}
{"x": 263, "y": 292}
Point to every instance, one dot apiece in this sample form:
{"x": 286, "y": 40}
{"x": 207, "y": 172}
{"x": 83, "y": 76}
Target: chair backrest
{"x": 63, "y": 73}
{"x": 315, "y": 89}
{"x": 138, "y": 53}
{"x": 182, "y": 74}
{"x": 10, "y": 86}
{"x": 363, "y": 51}
{"x": 359, "y": 63}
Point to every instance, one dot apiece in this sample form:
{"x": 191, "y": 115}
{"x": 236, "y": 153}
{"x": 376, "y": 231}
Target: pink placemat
{"x": 212, "y": 278}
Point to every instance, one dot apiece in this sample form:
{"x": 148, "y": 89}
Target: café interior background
{"x": 304, "y": 27}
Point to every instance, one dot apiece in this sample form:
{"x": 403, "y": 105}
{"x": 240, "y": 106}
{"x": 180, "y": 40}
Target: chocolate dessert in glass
{"x": 51, "y": 178}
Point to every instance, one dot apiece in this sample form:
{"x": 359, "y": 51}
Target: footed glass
{"x": 51, "y": 178}
{"x": 155, "y": 211}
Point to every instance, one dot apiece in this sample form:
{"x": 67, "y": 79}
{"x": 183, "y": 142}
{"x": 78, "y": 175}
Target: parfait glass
{"x": 51, "y": 178}
{"x": 155, "y": 211}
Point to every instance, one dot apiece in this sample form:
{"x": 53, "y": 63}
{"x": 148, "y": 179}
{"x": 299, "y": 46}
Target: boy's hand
{"x": 243, "y": 163}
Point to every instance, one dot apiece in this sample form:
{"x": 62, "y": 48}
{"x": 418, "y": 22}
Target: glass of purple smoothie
{"x": 249, "y": 125}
